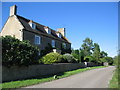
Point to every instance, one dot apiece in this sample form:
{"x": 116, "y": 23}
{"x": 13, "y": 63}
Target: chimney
{"x": 13, "y": 10}
{"x": 62, "y": 31}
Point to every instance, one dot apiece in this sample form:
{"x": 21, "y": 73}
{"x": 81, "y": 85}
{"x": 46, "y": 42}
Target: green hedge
{"x": 16, "y": 52}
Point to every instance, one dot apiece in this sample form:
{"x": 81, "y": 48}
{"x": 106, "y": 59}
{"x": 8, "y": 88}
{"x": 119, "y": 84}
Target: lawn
{"x": 114, "y": 81}
{"x": 28, "y": 82}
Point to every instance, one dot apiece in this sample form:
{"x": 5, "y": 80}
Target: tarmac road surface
{"x": 96, "y": 78}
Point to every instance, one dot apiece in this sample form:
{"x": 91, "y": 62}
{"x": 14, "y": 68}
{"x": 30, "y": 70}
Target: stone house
{"x": 37, "y": 34}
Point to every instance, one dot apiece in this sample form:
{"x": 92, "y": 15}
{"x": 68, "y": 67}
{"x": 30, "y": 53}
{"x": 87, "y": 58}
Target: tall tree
{"x": 87, "y": 46}
{"x": 96, "y": 52}
{"x": 82, "y": 55}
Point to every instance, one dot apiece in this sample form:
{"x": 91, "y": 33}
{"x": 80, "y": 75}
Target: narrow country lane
{"x": 97, "y": 78}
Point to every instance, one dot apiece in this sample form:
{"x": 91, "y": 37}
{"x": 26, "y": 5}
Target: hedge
{"x": 16, "y": 52}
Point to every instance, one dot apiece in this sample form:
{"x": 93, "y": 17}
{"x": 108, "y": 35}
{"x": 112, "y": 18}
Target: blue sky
{"x": 96, "y": 20}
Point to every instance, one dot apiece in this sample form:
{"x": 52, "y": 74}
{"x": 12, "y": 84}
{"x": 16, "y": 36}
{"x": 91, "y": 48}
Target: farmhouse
{"x": 39, "y": 35}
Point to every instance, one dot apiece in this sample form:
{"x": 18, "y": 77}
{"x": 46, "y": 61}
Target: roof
{"x": 40, "y": 29}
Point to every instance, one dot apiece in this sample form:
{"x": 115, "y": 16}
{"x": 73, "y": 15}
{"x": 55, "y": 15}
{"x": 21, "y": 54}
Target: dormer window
{"x": 59, "y": 35}
{"x": 33, "y": 25}
{"x": 47, "y": 30}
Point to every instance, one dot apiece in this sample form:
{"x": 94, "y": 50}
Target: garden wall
{"x": 23, "y": 72}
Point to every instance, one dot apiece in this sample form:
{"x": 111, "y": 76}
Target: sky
{"x": 96, "y": 20}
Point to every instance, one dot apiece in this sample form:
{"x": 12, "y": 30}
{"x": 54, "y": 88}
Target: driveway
{"x": 96, "y": 78}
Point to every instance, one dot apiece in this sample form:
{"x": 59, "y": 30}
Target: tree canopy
{"x": 90, "y": 52}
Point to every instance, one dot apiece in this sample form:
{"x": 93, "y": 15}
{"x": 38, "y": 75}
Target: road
{"x": 96, "y": 78}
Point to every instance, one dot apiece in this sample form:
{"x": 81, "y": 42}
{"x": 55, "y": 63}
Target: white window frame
{"x": 53, "y": 43}
{"x": 37, "y": 38}
{"x": 33, "y": 25}
{"x": 59, "y": 35}
{"x": 48, "y": 30}
{"x": 64, "y": 45}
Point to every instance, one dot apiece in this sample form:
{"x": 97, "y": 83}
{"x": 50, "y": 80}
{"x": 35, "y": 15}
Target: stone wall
{"x": 23, "y": 72}
{"x": 91, "y": 64}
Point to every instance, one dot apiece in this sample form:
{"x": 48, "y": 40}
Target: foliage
{"x": 65, "y": 50}
{"x": 96, "y": 52}
{"x": 103, "y": 54}
{"x": 114, "y": 83}
{"x": 69, "y": 58}
{"x": 89, "y": 59}
{"x": 76, "y": 54}
{"x": 16, "y": 52}
{"x": 91, "y": 52}
{"x": 51, "y": 58}
{"x": 108, "y": 59}
{"x": 47, "y": 50}
{"x": 82, "y": 55}
{"x": 87, "y": 46}
{"x": 115, "y": 59}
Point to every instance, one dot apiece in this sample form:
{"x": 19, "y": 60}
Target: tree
{"x": 116, "y": 60}
{"x": 109, "y": 60}
{"x": 16, "y": 52}
{"x": 82, "y": 55}
{"x": 96, "y": 52}
{"x": 89, "y": 59}
{"x": 76, "y": 54}
{"x": 87, "y": 46}
{"x": 103, "y": 54}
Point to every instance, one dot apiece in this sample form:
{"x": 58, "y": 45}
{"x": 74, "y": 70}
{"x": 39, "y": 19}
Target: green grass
{"x": 114, "y": 81}
{"x": 28, "y": 82}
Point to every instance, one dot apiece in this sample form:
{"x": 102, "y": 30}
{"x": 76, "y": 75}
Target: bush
{"x": 16, "y": 52}
{"x": 51, "y": 58}
{"x": 69, "y": 58}
{"x": 107, "y": 59}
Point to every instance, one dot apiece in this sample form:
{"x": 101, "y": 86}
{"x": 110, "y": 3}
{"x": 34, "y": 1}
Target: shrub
{"x": 69, "y": 58}
{"x": 108, "y": 59}
{"x": 51, "y": 58}
{"x": 16, "y": 52}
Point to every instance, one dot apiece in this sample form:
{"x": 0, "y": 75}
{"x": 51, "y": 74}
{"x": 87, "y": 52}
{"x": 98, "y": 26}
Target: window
{"x": 48, "y": 30}
{"x": 64, "y": 45}
{"x": 59, "y": 35}
{"x": 37, "y": 39}
{"x": 53, "y": 43}
{"x": 33, "y": 25}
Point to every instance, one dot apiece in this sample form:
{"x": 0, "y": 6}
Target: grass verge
{"x": 114, "y": 82}
{"x": 28, "y": 82}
